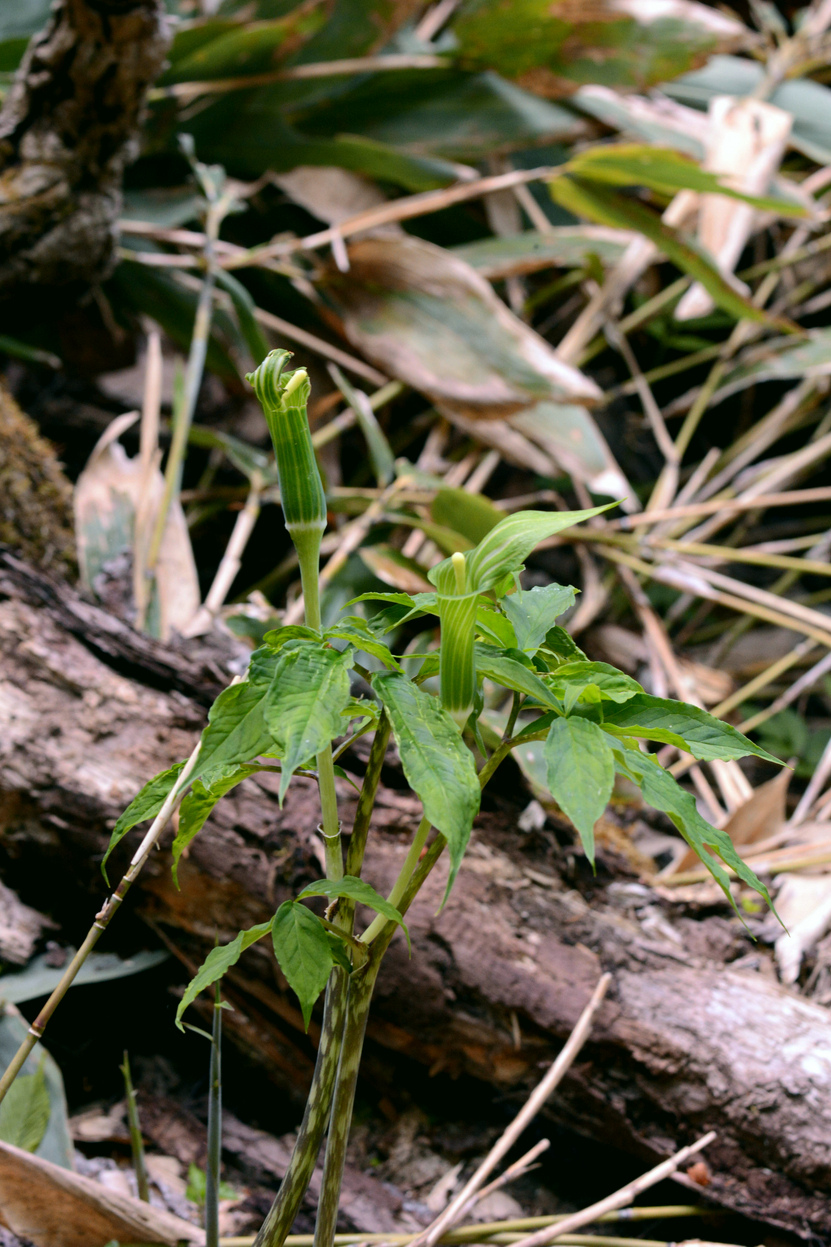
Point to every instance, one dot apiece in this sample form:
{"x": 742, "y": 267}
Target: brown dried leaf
{"x": 108, "y": 494}
{"x": 53, "y": 1207}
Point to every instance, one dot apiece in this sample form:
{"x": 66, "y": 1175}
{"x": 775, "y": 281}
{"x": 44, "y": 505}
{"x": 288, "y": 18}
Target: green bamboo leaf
{"x": 502, "y": 668}
{"x": 661, "y": 169}
{"x": 704, "y": 736}
{"x": 356, "y": 890}
{"x": 607, "y": 207}
{"x": 581, "y": 773}
{"x": 305, "y": 701}
{"x": 663, "y": 792}
{"x": 592, "y": 682}
{"x": 472, "y": 515}
{"x": 197, "y": 806}
{"x": 146, "y": 804}
{"x": 245, "y": 309}
{"x": 217, "y": 962}
{"x": 25, "y": 1111}
{"x": 533, "y": 612}
{"x": 303, "y": 949}
{"x": 236, "y": 731}
{"x": 438, "y": 765}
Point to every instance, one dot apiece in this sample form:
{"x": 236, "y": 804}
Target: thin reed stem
{"x": 136, "y": 1141}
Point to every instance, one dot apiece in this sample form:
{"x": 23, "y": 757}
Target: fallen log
{"x": 683, "y": 1044}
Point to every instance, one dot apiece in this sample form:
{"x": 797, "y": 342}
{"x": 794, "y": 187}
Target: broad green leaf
{"x": 399, "y": 599}
{"x": 533, "y": 612}
{"x": 146, "y": 804}
{"x": 217, "y": 962}
{"x": 661, "y": 169}
{"x": 56, "y": 1145}
{"x": 236, "y": 49}
{"x": 338, "y": 949}
{"x": 24, "y": 1113}
{"x": 438, "y": 765}
{"x": 581, "y": 773}
{"x": 507, "y": 546}
{"x": 502, "y": 668}
{"x": 236, "y": 731}
{"x": 608, "y": 207}
{"x": 196, "y": 807}
{"x": 273, "y": 641}
{"x": 592, "y": 682}
{"x": 562, "y": 646}
{"x": 302, "y": 947}
{"x": 304, "y": 703}
{"x": 663, "y": 792}
{"x": 705, "y": 736}
{"x": 472, "y": 515}
{"x": 357, "y": 890}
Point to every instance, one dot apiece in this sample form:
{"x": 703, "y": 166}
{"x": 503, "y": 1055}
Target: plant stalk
{"x": 136, "y": 1141}
{"x": 214, "y": 1161}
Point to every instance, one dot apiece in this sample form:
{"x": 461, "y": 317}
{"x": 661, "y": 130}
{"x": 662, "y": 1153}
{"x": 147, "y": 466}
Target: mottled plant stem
{"x": 361, "y": 986}
{"x": 283, "y": 1211}
{"x": 279, "y": 1221}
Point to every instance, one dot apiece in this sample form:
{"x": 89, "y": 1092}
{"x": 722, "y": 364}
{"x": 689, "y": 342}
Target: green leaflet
{"x": 501, "y": 668}
{"x": 704, "y": 736}
{"x": 362, "y": 639}
{"x": 592, "y": 682}
{"x": 438, "y": 765}
{"x": 533, "y": 612}
{"x": 196, "y": 807}
{"x": 581, "y": 773}
{"x": 303, "y": 949}
{"x": 274, "y": 641}
{"x": 491, "y": 622}
{"x": 217, "y": 962}
{"x": 24, "y": 1113}
{"x": 146, "y": 804}
{"x": 356, "y": 890}
{"x": 304, "y": 702}
{"x": 662, "y": 792}
{"x": 561, "y": 645}
{"x": 236, "y": 731}
{"x": 508, "y": 544}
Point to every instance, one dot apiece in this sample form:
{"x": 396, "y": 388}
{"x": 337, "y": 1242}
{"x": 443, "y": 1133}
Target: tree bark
{"x": 685, "y": 1043}
{"x": 68, "y": 127}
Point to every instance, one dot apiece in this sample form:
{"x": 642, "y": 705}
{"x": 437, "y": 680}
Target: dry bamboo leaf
{"x": 804, "y": 904}
{"x": 108, "y": 494}
{"x": 746, "y": 144}
{"x": 53, "y": 1207}
{"x": 332, "y": 194}
{"x": 428, "y": 318}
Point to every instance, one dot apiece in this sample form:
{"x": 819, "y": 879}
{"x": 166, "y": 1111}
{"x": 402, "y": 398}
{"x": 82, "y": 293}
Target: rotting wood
{"x": 683, "y": 1044}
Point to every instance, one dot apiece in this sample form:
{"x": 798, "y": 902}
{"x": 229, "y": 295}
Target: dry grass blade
{"x": 455, "y": 1210}
{"x": 626, "y": 1195}
{"x": 715, "y": 506}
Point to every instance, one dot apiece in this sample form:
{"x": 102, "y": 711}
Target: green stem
{"x": 136, "y": 1141}
{"x": 212, "y": 1171}
{"x": 366, "y": 801}
{"x": 283, "y": 1211}
{"x": 400, "y": 885}
{"x": 307, "y": 544}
